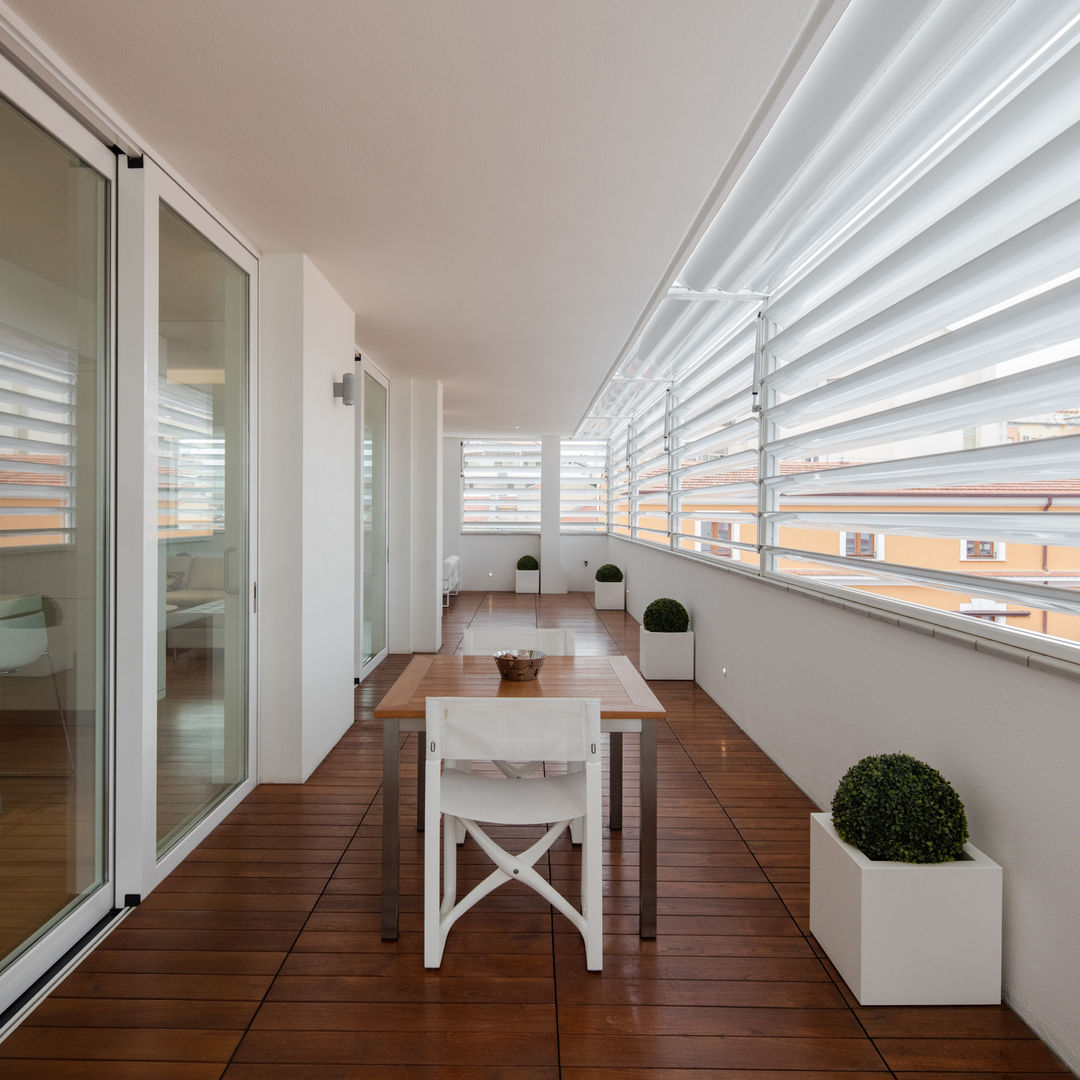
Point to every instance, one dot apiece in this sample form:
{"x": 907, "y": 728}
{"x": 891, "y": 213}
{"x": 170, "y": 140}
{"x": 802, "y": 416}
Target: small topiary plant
{"x": 609, "y": 572}
{"x": 666, "y": 616}
{"x": 528, "y": 562}
{"x": 897, "y": 808}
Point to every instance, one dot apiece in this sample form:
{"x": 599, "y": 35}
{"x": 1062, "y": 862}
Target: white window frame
{"x": 998, "y": 556}
{"x": 879, "y": 545}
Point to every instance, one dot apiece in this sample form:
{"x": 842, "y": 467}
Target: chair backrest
{"x": 23, "y": 637}
{"x": 489, "y": 639}
{"x": 513, "y": 729}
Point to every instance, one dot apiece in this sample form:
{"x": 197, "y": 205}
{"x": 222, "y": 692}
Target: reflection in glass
{"x": 373, "y": 464}
{"x": 53, "y": 318}
{"x": 202, "y": 527}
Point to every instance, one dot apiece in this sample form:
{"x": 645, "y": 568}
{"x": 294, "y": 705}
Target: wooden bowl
{"x": 519, "y": 665}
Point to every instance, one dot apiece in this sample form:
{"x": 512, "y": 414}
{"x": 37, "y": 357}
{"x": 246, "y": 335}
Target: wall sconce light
{"x": 346, "y": 389}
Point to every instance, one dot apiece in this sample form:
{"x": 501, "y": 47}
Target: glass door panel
{"x": 54, "y": 284}
{"x": 202, "y": 527}
{"x": 374, "y": 522}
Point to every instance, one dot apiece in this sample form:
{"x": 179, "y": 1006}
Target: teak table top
{"x": 623, "y": 693}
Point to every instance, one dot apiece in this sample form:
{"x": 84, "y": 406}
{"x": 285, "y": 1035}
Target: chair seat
{"x": 534, "y": 798}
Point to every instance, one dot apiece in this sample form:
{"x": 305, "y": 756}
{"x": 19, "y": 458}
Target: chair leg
{"x": 578, "y": 823}
{"x": 451, "y": 827}
{"x": 434, "y": 938}
{"x": 60, "y": 713}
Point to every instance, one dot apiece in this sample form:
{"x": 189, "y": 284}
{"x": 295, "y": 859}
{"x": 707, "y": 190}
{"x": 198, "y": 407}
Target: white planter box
{"x": 610, "y": 595}
{"x": 907, "y": 933}
{"x": 527, "y": 581}
{"x": 666, "y": 656}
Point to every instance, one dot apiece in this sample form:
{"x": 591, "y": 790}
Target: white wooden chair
{"x": 554, "y": 641}
{"x": 463, "y": 729}
{"x": 482, "y": 641}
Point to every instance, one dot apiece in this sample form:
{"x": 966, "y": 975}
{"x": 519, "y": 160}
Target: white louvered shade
{"x": 500, "y": 485}
{"x": 900, "y": 414}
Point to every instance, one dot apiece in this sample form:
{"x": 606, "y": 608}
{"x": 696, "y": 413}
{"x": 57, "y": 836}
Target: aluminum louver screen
{"x": 500, "y": 485}
{"x": 583, "y": 486}
{"x": 868, "y": 370}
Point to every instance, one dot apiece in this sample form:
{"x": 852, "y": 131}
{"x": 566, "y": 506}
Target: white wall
{"x": 306, "y": 528}
{"x": 579, "y": 550}
{"x": 818, "y": 687}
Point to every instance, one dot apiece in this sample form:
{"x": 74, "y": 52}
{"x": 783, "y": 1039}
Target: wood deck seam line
{"x": 326, "y": 884}
{"x": 772, "y": 884}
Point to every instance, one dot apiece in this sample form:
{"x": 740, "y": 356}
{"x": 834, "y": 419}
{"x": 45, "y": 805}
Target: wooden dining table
{"x": 626, "y": 705}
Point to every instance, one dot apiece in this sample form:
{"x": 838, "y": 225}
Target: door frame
{"x": 21, "y": 974}
{"x": 142, "y": 186}
{"x": 367, "y": 367}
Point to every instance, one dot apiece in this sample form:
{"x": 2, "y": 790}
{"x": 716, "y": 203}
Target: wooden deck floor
{"x": 260, "y": 957}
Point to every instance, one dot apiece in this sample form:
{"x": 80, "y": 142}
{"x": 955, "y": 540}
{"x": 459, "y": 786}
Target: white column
{"x": 552, "y": 575}
{"x": 416, "y": 512}
{"x": 306, "y": 520}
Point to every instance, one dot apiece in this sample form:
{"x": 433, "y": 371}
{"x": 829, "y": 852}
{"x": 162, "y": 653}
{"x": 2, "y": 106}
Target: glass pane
{"x": 202, "y": 527}
{"x": 53, "y": 365}
{"x": 374, "y": 511}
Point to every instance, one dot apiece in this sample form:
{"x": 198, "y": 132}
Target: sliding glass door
{"x": 55, "y": 301}
{"x": 202, "y": 525}
{"x": 372, "y": 632}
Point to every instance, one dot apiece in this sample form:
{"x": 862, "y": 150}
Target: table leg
{"x": 647, "y": 841}
{"x": 421, "y": 761}
{"x": 615, "y": 782}
{"x": 390, "y": 839}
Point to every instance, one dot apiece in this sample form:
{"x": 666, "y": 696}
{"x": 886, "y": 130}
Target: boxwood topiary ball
{"x": 609, "y": 572}
{"x": 528, "y": 562}
{"x": 666, "y": 616}
{"x": 897, "y": 808}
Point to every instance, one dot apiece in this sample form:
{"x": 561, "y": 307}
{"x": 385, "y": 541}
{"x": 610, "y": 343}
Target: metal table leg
{"x": 647, "y": 841}
{"x": 615, "y": 782}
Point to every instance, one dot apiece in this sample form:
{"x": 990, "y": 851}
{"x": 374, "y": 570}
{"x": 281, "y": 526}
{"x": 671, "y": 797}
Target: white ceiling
{"x": 496, "y": 187}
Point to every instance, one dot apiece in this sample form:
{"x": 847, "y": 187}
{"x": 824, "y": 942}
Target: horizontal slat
{"x": 1039, "y": 255}
{"x": 1032, "y": 527}
{"x": 1041, "y": 459}
{"x": 1012, "y": 397}
{"x": 732, "y": 435}
{"x": 1019, "y": 200}
{"x": 719, "y": 541}
{"x": 723, "y": 412}
{"x": 736, "y": 492}
{"x": 34, "y": 491}
{"x": 1025, "y": 125}
{"x": 1049, "y": 597}
{"x": 729, "y": 463}
{"x": 1041, "y": 322}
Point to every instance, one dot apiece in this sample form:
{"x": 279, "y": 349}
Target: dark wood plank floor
{"x": 260, "y": 957}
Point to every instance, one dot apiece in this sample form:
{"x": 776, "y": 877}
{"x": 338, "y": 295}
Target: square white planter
{"x": 907, "y": 933}
{"x": 610, "y": 595}
{"x": 527, "y": 581}
{"x": 666, "y": 656}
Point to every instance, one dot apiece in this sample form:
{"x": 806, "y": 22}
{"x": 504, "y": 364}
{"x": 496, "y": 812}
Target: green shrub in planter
{"x": 609, "y": 572}
{"x": 528, "y": 562}
{"x": 666, "y": 616}
{"x": 894, "y": 807}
